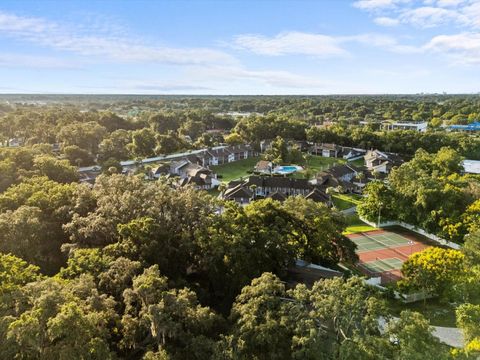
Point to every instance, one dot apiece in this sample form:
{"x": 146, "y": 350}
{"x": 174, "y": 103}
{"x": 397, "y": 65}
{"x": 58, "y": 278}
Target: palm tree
{"x": 222, "y": 187}
{"x": 360, "y": 176}
{"x": 253, "y": 187}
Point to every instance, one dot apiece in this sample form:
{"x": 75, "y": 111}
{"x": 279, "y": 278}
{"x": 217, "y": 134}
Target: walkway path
{"x": 450, "y": 336}
{"x": 349, "y": 211}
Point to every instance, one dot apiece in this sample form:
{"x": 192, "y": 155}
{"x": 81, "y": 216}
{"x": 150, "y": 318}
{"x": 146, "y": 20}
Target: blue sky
{"x": 240, "y": 46}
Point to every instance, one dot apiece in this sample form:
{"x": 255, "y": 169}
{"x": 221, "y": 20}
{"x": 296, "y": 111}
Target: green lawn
{"x": 358, "y": 162}
{"x": 315, "y": 164}
{"x": 355, "y": 225}
{"x": 236, "y": 169}
{"x": 346, "y": 201}
{"x": 318, "y": 163}
{"x": 438, "y": 313}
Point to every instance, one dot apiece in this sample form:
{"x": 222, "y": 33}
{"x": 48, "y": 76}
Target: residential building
{"x": 350, "y": 178}
{"x": 206, "y": 157}
{"x": 352, "y": 154}
{"x": 88, "y": 174}
{"x": 278, "y": 196}
{"x": 381, "y": 162}
{"x": 216, "y": 156}
{"x": 160, "y": 170}
{"x": 339, "y": 176}
{"x": 198, "y": 176}
{"x": 200, "y": 181}
{"x": 266, "y": 185}
{"x": 238, "y": 192}
{"x": 275, "y": 187}
{"x": 325, "y": 150}
{"x": 264, "y": 167}
{"x": 318, "y": 196}
{"x": 303, "y": 272}
{"x": 224, "y": 155}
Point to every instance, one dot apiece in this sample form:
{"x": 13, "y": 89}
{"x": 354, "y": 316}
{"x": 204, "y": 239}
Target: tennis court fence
{"x": 414, "y": 229}
{"x": 386, "y": 276}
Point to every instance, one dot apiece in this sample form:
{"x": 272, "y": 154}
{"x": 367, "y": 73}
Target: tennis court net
{"x": 386, "y": 246}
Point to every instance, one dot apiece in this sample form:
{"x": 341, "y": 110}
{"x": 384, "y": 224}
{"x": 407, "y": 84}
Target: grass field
{"x": 358, "y": 162}
{"x": 238, "y": 169}
{"x": 235, "y": 170}
{"x": 346, "y": 201}
{"x": 315, "y": 164}
{"x": 355, "y": 225}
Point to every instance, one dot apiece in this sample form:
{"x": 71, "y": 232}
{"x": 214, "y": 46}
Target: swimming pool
{"x": 287, "y": 169}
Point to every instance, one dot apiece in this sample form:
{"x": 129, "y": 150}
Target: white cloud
{"x": 202, "y": 65}
{"x": 462, "y": 48}
{"x": 163, "y": 87}
{"x": 373, "y": 4}
{"x": 274, "y": 78}
{"x": 382, "y": 41}
{"x": 428, "y": 16}
{"x": 24, "y": 25}
{"x": 426, "y": 13}
{"x": 280, "y": 78}
{"x": 290, "y": 43}
{"x": 318, "y": 45}
{"x": 36, "y": 62}
{"x": 472, "y": 13}
{"x": 386, "y": 21}
{"x": 449, "y": 3}
{"x": 41, "y": 32}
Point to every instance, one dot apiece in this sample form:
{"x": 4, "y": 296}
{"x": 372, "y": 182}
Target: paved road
{"x": 450, "y": 336}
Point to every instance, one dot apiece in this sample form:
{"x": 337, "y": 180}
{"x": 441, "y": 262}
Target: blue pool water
{"x": 286, "y": 169}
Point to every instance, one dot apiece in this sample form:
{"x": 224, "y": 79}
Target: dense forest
{"x": 129, "y": 268}
{"x": 428, "y": 191}
{"x": 96, "y": 130}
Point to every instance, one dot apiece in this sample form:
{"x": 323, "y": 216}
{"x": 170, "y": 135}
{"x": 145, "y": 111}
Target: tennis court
{"x": 382, "y": 265}
{"x": 382, "y": 252}
{"x": 376, "y": 240}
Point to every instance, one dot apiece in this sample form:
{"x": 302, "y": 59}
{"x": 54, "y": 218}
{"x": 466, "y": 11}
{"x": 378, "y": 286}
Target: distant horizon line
{"x": 140, "y": 94}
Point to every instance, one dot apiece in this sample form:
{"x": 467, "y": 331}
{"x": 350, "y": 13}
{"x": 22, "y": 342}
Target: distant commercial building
{"x": 475, "y": 126}
{"x": 471, "y": 166}
{"x": 417, "y": 126}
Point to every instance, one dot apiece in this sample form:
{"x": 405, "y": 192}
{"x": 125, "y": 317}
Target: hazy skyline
{"x": 240, "y": 47}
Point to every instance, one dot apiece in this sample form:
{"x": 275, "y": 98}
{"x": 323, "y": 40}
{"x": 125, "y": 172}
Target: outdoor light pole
{"x": 379, "y": 211}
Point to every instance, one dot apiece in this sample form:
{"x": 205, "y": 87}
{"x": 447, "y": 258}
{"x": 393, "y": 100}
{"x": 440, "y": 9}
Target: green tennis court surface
{"x": 383, "y": 265}
{"x": 378, "y": 241}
